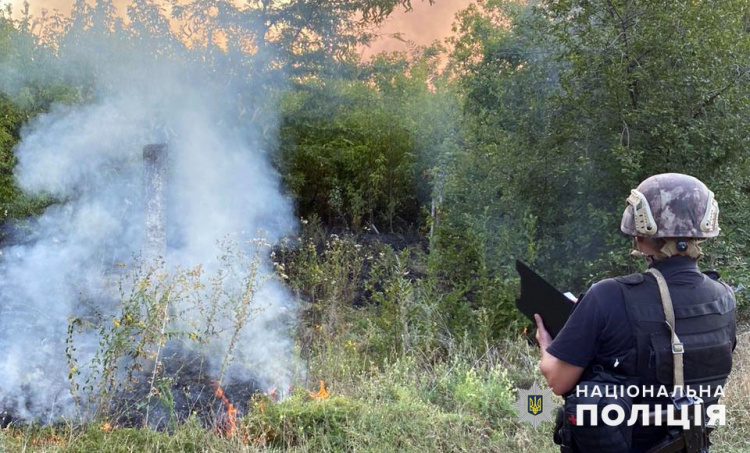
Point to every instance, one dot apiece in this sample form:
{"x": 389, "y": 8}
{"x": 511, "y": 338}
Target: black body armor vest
{"x": 705, "y": 316}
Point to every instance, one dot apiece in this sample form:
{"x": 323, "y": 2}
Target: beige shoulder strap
{"x": 677, "y": 347}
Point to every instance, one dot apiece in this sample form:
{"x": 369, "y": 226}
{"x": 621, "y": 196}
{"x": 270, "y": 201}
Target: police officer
{"x": 619, "y": 328}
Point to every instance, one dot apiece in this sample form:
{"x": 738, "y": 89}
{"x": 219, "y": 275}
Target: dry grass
{"x": 397, "y": 382}
{"x": 735, "y": 437}
{"x": 407, "y": 403}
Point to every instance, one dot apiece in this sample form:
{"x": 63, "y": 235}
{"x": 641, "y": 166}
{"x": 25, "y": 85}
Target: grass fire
{"x": 230, "y": 424}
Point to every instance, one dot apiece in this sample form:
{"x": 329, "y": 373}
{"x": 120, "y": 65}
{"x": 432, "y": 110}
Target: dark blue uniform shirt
{"x": 599, "y": 328}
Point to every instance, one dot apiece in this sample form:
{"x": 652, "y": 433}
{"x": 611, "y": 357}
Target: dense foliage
{"x": 523, "y": 147}
{"x": 362, "y": 152}
{"x": 569, "y": 104}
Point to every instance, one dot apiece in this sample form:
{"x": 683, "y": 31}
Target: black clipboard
{"x": 538, "y": 296}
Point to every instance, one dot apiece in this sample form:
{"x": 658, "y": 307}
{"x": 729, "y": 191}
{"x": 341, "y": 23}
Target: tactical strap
{"x": 678, "y": 348}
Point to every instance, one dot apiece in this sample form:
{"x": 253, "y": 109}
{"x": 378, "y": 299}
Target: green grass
{"x": 398, "y": 379}
{"x": 735, "y": 437}
{"x": 459, "y": 405}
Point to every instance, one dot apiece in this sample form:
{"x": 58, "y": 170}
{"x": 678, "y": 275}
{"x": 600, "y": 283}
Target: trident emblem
{"x": 535, "y": 404}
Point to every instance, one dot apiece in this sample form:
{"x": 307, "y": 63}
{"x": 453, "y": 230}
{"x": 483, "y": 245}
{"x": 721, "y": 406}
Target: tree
{"x": 24, "y": 92}
{"x": 361, "y": 152}
{"x": 570, "y": 103}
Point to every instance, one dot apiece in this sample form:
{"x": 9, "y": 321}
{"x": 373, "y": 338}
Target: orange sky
{"x": 424, "y": 24}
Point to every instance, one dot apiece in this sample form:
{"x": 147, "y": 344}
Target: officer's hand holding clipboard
{"x": 539, "y": 297}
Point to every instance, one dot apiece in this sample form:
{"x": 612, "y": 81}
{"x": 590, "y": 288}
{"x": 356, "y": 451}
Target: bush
{"x": 346, "y": 158}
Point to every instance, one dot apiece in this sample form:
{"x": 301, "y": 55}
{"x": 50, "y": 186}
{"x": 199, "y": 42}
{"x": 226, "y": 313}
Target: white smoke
{"x": 89, "y": 158}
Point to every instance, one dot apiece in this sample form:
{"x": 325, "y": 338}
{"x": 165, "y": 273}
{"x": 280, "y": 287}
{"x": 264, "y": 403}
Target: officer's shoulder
{"x": 609, "y": 287}
{"x": 630, "y": 280}
{"x": 606, "y": 286}
{"x": 605, "y": 293}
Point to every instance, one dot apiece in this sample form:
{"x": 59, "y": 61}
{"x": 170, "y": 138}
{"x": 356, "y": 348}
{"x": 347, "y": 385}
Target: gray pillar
{"x": 155, "y": 196}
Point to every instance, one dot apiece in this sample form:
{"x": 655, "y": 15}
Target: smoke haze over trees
{"x": 519, "y": 137}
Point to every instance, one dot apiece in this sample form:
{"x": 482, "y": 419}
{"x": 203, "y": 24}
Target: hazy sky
{"x": 424, "y": 24}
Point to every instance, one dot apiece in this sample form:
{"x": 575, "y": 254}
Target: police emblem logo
{"x": 535, "y": 405}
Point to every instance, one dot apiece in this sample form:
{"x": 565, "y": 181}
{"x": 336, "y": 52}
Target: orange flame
{"x": 47, "y": 440}
{"x": 231, "y": 421}
{"x": 322, "y": 393}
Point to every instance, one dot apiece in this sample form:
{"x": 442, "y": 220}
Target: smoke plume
{"x": 73, "y": 261}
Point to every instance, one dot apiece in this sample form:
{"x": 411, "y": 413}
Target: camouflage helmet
{"x": 671, "y": 205}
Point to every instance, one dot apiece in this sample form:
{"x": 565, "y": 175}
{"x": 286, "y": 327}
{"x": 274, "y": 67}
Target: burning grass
{"x": 155, "y": 358}
{"x": 392, "y": 407}
{"x": 378, "y": 379}
{"x": 229, "y": 425}
{"x": 406, "y": 405}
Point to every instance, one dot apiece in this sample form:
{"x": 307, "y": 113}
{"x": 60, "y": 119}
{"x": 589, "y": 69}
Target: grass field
{"x": 392, "y": 382}
{"x": 459, "y": 406}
